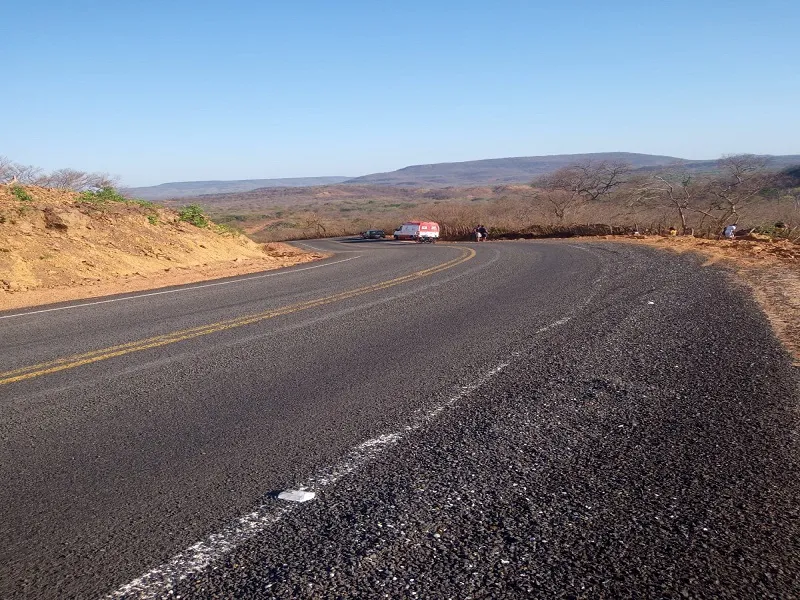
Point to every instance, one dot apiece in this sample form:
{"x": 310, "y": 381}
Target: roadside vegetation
{"x": 58, "y": 244}
{"x": 585, "y": 198}
{"x": 193, "y": 214}
{"x": 20, "y": 193}
{"x": 589, "y": 198}
{"x": 90, "y": 192}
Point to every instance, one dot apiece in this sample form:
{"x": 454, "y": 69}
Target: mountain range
{"x": 493, "y": 171}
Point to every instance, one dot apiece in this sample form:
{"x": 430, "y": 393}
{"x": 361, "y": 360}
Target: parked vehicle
{"x": 373, "y": 234}
{"x": 426, "y": 231}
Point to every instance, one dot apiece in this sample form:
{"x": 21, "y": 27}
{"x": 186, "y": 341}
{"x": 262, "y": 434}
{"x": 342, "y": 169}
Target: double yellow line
{"x": 77, "y": 360}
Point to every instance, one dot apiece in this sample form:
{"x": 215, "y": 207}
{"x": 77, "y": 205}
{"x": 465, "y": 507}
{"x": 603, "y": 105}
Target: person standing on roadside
{"x": 483, "y": 232}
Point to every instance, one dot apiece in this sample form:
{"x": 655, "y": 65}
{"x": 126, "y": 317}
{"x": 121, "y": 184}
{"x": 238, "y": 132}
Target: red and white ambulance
{"x": 417, "y": 230}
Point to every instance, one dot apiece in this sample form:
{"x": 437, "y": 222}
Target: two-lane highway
{"x": 477, "y": 420}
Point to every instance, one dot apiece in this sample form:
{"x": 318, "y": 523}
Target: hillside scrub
{"x": 514, "y": 215}
{"x": 62, "y": 244}
{"x": 583, "y": 199}
{"x": 193, "y": 214}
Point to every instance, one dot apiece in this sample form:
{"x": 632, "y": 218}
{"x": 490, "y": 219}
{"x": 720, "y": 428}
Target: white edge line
{"x": 160, "y": 581}
{"x": 183, "y": 289}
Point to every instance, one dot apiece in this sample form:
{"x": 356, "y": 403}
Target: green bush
{"x": 152, "y": 219}
{"x": 778, "y": 230}
{"x": 193, "y": 214}
{"x": 101, "y": 196}
{"x": 145, "y": 203}
{"x": 21, "y": 193}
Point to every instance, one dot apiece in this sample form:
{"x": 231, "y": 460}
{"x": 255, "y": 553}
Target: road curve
{"x": 518, "y": 419}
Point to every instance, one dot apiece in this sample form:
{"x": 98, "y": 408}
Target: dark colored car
{"x": 373, "y": 234}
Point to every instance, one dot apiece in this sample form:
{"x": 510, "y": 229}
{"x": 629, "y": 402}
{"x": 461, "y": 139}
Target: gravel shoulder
{"x": 770, "y": 269}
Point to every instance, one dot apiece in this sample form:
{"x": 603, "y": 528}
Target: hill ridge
{"x": 482, "y": 172}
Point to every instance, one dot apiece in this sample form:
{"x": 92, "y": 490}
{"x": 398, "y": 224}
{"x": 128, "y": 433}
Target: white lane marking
{"x": 554, "y": 324}
{"x": 161, "y": 581}
{"x": 310, "y": 247}
{"x": 187, "y": 289}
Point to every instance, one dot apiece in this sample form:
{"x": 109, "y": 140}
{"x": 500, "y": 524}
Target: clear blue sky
{"x": 185, "y": 90}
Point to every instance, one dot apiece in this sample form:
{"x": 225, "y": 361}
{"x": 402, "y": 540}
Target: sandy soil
{"x": 771, "y": 270}
{"x": 56, "y": 248}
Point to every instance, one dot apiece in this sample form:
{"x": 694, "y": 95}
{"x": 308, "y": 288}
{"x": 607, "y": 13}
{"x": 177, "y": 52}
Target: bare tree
{"x": 16, "y": 173}
{"x": 313, "y": 221}
{"x": 28, "y": 174}
{"x": 676, "y": 191}
{"x": 66, "y": 179}
{"x": 561, "y": 202}
{"x": 571, "y": 186}
{"x": 742, "y": 181}
{"x": 7, "y": 168}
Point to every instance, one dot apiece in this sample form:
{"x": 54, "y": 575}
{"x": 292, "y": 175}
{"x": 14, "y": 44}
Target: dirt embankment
{"x": 771, "y": 269}
{"x": 58, "y": 245}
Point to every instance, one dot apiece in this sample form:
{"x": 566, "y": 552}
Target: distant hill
{"x": 523, "y": 169}
{"x": 501, "y": 170}
{"x": 186, "y": 189}
{"x": 493, "y": 171}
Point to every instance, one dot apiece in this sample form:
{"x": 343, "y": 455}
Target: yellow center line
{"x": 77, "y": 360}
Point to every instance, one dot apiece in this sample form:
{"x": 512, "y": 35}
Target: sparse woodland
{"x": 599, "y": 198}
{"x": 62, "y": 179}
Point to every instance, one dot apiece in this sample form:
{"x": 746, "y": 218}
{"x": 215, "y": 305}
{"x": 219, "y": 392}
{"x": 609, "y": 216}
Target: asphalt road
{"x": 513, "y": 419}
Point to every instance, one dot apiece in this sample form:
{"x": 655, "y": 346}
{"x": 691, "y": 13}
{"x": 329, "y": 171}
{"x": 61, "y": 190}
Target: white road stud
{"x": 296, "y": 495}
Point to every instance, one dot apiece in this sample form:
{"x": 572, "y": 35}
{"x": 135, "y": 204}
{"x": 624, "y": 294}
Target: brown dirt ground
{"x": 57, "y": 248}
{"x": 770, "y": 269}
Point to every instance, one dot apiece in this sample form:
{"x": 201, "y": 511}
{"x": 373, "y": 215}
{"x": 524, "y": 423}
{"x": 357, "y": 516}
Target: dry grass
{"x": 506, "y": 210}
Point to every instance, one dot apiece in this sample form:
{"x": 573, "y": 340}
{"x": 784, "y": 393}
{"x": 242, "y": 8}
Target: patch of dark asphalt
{"x": 648, "y": 448}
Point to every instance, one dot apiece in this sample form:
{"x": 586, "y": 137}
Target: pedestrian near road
{"x": 484, "y": 233}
